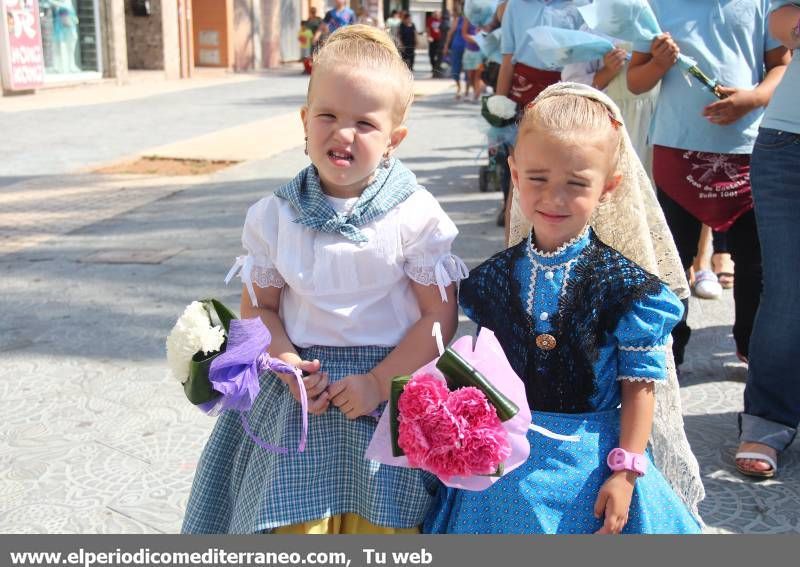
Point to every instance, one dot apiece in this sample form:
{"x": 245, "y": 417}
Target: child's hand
{"x": 614, "y": 60}
{"x": 316, "y": 384}
{"x": 737, "y": 103}
{"x": 614, "y": 501}
{"x": 664, "y": 51}
{"x": 356, "y": 395}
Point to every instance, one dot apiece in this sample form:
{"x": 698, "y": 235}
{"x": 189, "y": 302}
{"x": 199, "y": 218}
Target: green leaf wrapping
{"x": 198, "y": 387}
{"x": 398, "y": 383}
{"x": 460, "y": 373}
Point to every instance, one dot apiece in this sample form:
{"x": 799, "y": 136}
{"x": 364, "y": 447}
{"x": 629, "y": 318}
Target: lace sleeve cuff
{"x": 267, "y": 277}
{"x": 642, "y": 363}
{"x": 250, "y": 273}
{"x": 447, "y": 270}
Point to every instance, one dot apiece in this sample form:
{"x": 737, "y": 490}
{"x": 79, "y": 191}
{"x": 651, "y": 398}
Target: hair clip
{"x": 614, "y": 122}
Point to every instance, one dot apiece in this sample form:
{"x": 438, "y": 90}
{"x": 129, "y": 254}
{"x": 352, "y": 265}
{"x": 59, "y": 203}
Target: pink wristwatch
{"x": 621, "y": 460}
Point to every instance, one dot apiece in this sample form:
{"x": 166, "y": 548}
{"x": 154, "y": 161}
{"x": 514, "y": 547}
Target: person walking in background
{"x": 393, "y": 23}
{"x": 313, "y": 20}
{"x": 771, "y": 414}
{"x": 472, "y": 59}
{"x": 305, "y": 39}
{"x": 522, "y": 76}
{"x": 408, "y": 40}
{"x": 339, "y": 16}
{"x": 702, "y": 145}
{"x": 434, "y": 29}
{"x": 454, "y": 46}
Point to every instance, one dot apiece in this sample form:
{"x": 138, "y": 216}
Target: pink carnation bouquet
{"x": 463, "y": 417}
{"x": 450, "y": 433}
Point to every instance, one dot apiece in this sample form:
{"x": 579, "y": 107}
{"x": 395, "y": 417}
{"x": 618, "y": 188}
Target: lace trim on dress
{"x": 267, "y": 277}
{"x": 561, "y": 249}
{"x": 638, "y": 379}
{"x": 447, "y": 270}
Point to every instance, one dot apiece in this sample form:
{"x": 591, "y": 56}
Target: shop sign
{"x": 21, "y": 57}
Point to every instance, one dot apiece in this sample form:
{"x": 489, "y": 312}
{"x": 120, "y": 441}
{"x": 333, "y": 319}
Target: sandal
{"x": 725, "y": 279}
{"x": 756, "y": 456}
{"x": 706, "y": 285}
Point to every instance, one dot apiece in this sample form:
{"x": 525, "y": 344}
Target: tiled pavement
{"x": 96, "y": 438}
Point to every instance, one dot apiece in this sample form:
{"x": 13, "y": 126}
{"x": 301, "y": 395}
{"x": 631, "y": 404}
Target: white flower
{"x": 192, "y": 333}
{"x": 501, "y": 106}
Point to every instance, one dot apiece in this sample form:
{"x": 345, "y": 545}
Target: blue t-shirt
{"x": 728, "y": 39}
{"x": 783, "y": 112}
{"x": 522, "y": 15}
{"x": 338, "y": 18}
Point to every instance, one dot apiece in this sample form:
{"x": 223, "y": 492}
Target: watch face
{"x": 616, "y": 459}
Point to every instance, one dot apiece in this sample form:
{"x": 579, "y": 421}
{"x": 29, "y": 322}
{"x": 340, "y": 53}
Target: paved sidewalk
{"x": 97, "y": 438}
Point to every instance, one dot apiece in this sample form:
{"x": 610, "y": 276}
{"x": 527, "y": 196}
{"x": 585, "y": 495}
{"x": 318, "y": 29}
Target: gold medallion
{"x": 546, "y": 342}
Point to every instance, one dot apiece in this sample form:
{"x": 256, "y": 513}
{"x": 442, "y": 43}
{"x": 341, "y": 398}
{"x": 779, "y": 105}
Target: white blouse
{"x": 337, "y": 292}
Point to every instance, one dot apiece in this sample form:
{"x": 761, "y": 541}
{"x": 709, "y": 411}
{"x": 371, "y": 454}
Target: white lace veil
{"x": 631, "y": 221}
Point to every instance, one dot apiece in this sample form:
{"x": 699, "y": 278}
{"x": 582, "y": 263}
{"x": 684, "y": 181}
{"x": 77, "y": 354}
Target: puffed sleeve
{"x": 259, "y": 237}
{"x": 642, "y": 335}
{"x": 427, "y": 234}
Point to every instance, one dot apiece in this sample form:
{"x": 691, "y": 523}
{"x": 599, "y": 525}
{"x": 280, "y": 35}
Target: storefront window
{"x": 69, "y": 37}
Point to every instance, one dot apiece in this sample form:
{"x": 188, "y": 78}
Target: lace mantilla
{"x": 633, "y": 223}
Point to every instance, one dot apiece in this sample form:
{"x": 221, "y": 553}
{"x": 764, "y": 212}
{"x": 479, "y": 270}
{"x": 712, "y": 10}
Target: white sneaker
{"x": 706, "y": 285}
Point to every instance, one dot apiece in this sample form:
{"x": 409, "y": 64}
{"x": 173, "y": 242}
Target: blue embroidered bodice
{"x": 610, "y": 320}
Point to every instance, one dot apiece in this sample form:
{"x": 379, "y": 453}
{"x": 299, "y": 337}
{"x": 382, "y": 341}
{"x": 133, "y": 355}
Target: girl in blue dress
{"x": 586, "y": 328}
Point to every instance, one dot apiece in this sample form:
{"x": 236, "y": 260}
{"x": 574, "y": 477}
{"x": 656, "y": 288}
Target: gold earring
{"x": 386, "y": 161}
{"x": 306, "y": 148}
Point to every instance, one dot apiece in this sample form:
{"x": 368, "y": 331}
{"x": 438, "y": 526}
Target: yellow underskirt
{"x": 341, "y": 524}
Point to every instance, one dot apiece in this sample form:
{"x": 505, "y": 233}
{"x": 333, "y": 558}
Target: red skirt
{"x": 713, "y": 188}
{"x": 528, "y": 82}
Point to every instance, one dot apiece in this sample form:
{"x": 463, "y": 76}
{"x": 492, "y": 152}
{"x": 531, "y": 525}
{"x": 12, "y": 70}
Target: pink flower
{"x": 411, "y": 438}
{"x": 422, "y": 394}
{"x": 445, "y": 462}
{"x": 471, "y": 404}
{"x": 485, "y": 449}
{"x": 450, "y": 433}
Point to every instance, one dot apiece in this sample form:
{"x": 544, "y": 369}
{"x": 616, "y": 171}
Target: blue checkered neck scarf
{"x": 391, "y": 186}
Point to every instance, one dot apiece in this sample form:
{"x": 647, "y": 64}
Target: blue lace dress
{"x": 610, "y": 321}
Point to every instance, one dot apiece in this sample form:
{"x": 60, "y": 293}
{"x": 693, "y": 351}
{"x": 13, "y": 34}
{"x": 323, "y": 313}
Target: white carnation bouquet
{"x": 193, "y": 333}
{"x": 499, "y": 110}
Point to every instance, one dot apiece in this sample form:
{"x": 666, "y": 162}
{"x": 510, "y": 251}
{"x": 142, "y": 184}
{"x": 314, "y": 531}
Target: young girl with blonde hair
{"x": 582, "y": 306}
{"x": 348, "y": 265}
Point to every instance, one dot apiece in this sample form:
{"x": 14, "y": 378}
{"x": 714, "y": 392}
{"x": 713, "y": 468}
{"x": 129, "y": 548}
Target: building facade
{"x": 57, "y": 42}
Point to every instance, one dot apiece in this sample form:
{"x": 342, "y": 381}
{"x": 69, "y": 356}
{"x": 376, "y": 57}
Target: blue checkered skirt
{"x": 554, "y": 491}
{"x": 242, "y": 488}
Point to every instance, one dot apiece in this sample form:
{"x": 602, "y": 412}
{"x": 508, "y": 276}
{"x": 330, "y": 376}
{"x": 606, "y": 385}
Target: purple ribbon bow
{"x": 234, "y": 374}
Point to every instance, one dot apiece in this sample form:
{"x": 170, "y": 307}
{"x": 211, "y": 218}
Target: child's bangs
{"x": 568, "y": 114}
{"x": 364, "y": 47}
